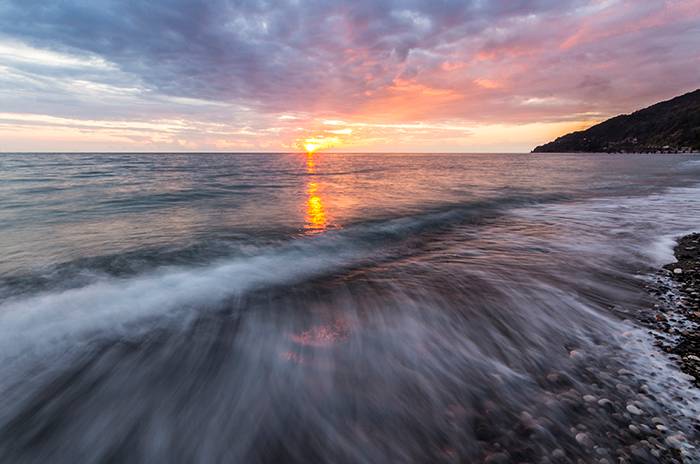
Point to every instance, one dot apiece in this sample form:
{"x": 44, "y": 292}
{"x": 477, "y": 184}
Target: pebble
{"x": 558, "y": 454}
{"x": 590, "y": 398}
{"x": 678, "y": 270}
{"x": 632, "y": 409}
{"x": 634, "y": 429}
{"x": 606, "y": 403}
{"x": 674, "y": 442}
{"x": 654, "y": 442}
{"x": 497, "y": 458}
{"x": 584, "y": 439}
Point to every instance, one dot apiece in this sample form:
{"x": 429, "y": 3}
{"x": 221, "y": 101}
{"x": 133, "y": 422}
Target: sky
{"x": 360, "y": 75}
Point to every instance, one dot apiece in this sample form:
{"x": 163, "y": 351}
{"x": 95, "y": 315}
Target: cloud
{"x": 263, "y": 62}
{"x": 278, "y": 55}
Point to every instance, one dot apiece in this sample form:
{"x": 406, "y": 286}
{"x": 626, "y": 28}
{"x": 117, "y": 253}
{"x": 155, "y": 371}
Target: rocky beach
{"x": 679, "y": 308}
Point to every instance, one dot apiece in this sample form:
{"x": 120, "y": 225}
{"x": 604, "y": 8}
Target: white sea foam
{"x": 123, "y": 307}
{"x": 660, "y": 252}
{"x": 694, "y": 162}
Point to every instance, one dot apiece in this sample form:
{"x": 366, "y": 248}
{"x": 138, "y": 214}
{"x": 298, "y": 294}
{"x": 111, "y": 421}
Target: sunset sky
{"x": 380, "y": 75}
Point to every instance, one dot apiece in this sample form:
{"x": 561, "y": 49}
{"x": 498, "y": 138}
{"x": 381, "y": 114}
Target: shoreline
{"x": 678, "y": 314}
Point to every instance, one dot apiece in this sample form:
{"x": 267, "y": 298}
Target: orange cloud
{"x": 408, "y": 99}
{"x": 488, "y": 83}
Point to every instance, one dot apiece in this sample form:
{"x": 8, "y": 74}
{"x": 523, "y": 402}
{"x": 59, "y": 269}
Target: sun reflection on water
{"x": 315, "y": 220}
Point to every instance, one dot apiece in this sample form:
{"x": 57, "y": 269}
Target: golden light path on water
{"x": 315, "y": 220}
{"x": 311, "y": 345}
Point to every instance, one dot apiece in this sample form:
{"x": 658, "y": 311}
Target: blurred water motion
{"x": 338, "y": 308}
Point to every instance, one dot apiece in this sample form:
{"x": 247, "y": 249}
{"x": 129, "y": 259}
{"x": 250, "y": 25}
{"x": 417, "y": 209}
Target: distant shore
{"x": 667, "y": 127}
{"x": 628, "y": 152}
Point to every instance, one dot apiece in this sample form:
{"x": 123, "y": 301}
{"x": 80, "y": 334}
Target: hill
{"x": 669, "y": 126}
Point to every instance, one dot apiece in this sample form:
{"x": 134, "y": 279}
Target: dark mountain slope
{"x": 669, "y": 126}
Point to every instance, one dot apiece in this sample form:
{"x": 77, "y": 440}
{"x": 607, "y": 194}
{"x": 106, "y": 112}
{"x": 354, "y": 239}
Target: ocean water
{"x": 340, "y": 308}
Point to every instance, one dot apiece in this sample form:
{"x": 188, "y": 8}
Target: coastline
{"x": 678, "y": 315}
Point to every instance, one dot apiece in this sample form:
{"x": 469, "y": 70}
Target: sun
{"x": 320, "y": 142}
{"x": 311, "y": 147}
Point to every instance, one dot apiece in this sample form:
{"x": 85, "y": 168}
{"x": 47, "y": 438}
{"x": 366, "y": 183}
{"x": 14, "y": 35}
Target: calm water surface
{"x": 339, "y": 308}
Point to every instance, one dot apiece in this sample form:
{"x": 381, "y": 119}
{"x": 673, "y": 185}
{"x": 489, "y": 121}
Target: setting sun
{"x": 314, "y": 144}
{"x": 311, "y": 147}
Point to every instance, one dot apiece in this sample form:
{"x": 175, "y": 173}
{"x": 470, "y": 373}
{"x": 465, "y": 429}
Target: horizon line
{"x": 268, "y": 152}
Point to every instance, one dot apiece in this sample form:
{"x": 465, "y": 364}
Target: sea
{"x": 341, "y": 308}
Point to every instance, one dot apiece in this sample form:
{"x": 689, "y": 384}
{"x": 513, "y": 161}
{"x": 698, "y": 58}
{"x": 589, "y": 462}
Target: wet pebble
{"x": 632, "y": 409}
{"x": 558, "y": 454}
{"x": 674, "y": 441}
{"x": 497, "y": 458}
{"x": 606, "y": 403}
{"x": 584, "y": 439}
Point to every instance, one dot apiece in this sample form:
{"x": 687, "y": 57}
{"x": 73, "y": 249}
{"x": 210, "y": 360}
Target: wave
{"x": 133, "y": 305}
{"x": 465, "y": 343}
{"x": 125, "y": 306}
